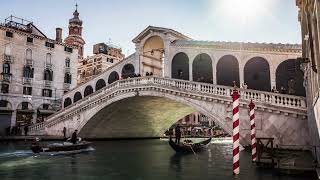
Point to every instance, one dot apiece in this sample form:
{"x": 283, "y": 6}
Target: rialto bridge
{"x": 188, "y": 76}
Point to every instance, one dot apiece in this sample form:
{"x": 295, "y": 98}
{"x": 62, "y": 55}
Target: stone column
{"x": 190, "y": 70}
{"x": 34, "y": 117}
{"x": 166, "y": 60}
{"x": 13, "y": 118}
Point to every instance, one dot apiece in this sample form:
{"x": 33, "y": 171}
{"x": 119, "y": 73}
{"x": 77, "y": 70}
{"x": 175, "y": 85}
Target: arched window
{"x": 29, "y": 54}
{"x": 100, "y": 84}
{"x": 48, "y": 75}
{"x": 28, "y": 72}
{"x": 48, "y": 58}
{"x": 202, "y": 69}
{"x": 228, "y": 71}
{"x": 67, "y": 102}
{"x": 88, "y": 90}
{"x": 67, "y": 62}
{"x": 77, "y": 96}
{"x": 180, "y": 66}
{"x": 257, "y": 74}
{"x": 67, "y": 78}
{"x": 114, "y": 76}
{"x": 6, "y": 68}
{"x": 127, "y": 71}
{"x": 290, "y": 77}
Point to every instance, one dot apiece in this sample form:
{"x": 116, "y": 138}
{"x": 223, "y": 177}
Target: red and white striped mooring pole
{"x": 235, "y": 132}
{"x": 253, "y": 132}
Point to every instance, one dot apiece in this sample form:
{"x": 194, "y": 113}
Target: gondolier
{"x": 74, "y": 137}
{"x": 178, "y": 134}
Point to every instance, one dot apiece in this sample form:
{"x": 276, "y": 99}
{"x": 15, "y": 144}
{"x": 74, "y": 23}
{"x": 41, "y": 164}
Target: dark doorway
{"x": 100, "y": 84}
{"x": 127, "y": 71}
{"x": 180, "y": 66}
{"x": 87, "y": 91}
{"x": 67, "y": 102}
{"x": 228, "y": 71}
{"x": 202, "y": 69}
{"x": 114, "y": 76}
{"x": 257, "y": 74}
{"x": 77, "y": 96}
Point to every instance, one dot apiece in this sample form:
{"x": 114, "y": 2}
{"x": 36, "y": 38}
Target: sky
{"x": 119, "y": 21}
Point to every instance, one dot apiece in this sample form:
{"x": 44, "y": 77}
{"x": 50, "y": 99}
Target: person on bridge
{"x": 64, "y": 132}
{"x": 178, "y": 134}
{"x": 74, "y": 137}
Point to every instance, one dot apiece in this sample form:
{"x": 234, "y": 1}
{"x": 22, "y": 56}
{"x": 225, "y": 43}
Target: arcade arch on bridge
{"x": 77, "y": 97}
{"x": 180, "y": 66}
{"x": 114, "y": 76}
{"x": 290, "y": 77}
{"x": 228, "y": 71}
{"x": 87, "y": 91}
{"x": 127, "y": 71}
{"x": 257, "y": 74}
{"x": 67, "y": 102}
{"x": 100, "y": 84}
{"x": 153, "y": 56}
{"x": 202, "y": 68}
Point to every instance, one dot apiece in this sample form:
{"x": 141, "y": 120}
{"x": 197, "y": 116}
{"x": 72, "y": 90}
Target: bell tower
{"x": 75, "y": 33}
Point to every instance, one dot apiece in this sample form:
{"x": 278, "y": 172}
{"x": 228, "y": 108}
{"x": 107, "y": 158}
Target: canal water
{"x": 130, "y": 160}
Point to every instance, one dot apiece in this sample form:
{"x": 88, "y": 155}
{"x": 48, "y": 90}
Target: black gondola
{"x": 189, "y": 147}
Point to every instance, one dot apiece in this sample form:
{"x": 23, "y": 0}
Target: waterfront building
{"x": 309, "y": 18}
{"x": 35, "y": 72}
{"x": 104, "y": 57}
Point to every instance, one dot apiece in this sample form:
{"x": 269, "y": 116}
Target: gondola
{"x": 189, "y": 147}
{"x": 60, "y": 147}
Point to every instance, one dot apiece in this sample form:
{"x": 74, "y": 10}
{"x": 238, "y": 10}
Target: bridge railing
{"x": 283, "y": 100}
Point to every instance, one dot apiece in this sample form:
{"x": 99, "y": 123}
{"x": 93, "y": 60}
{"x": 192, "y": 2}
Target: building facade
{"x": 35, "y": 73}
{"x": 309, "y": 17}
{"x": 104, "y": 57}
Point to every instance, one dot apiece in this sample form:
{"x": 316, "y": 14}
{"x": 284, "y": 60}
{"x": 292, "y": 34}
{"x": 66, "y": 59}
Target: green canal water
{"x": 130, "y": 160}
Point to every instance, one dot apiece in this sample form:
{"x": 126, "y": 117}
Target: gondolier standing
{"x": 74, "y": 137}
{"x": 178, "y": 134}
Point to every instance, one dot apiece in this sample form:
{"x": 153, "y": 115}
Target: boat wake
{"x": 19, "y": 153}
{"x": 89, "y": 149}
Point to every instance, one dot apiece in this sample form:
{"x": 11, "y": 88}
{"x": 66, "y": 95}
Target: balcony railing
{"x": 48, "y": 66}
{"x": 67, "y": 69}
{"x": 47, "y": 83}
{"x": 8, "y": 58}
{"x": 27, "y": 80}
{"x": 5, "y": 77}
{"x": 29, "y": 62}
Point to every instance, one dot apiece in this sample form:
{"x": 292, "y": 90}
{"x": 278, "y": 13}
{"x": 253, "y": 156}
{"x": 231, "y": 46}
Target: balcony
{"x": 27, "y": 80}
{"x": 47, "y": 83}
{"x": 49, "y": 66}
{"x": 5, "y": 77}
{"x": 8, "y": 58}
{"x": 66, "y": 69}
{"x": 29, "y": 62}
{"x": 66, "y": 86}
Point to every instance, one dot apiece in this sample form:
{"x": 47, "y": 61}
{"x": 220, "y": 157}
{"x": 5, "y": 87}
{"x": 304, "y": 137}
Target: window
{"x": 47, "y": 92}
{"x": 67, "y": 62}
{"x": 67, "y": 78}
{"x": 6, "y": 68}
{"x": 68, "y": 49}
{"x": 111, "y": 60}
{"x": 48, "y": 75}
{"x": 24, "y": 105}
{"x": 9, "y": 34}
{"x": 49, "y": 44}
{"x": 29, "y": 40}
{"x": 84, "y": 62}
{"x": 27, "y": 90}
{"x": 28, "y": 72}
{"x": 5, "y": 88}
{"x": 3, "y": 103}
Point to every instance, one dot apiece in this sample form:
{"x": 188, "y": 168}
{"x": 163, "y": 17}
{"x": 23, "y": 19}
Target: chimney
{"x": 59, "y": 34}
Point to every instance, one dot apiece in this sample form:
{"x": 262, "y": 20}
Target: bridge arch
{"x": 290, "y": 76}
{"x": 77, "y": 97}
{"x": 87, "y": 91}
{"x": 67, "y": 102}
{"x": 257, "y": 74}
{"x": 100, "y": 84}
{"x": 128, "y": 71}
{"x": 113, "y": 76}
{"x": 180, "y": 66}
{"x": 227, "y": 71}
{"x": 202, "y": 70}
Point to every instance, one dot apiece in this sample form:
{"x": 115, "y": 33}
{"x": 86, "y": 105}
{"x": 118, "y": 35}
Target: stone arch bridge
{"x": 188, "y": 76}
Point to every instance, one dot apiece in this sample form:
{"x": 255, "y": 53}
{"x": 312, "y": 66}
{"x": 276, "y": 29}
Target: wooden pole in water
{"x": 253, "y": 132}
{"x": 235, "y": 132}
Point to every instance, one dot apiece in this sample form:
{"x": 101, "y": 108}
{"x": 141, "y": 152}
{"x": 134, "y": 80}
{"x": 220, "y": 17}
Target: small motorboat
{"x": 189, "y": 147}
{"x": 59, "y": 147}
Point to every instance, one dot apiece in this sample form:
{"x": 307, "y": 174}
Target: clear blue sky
{"x": 121, "y": 20}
